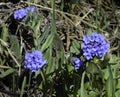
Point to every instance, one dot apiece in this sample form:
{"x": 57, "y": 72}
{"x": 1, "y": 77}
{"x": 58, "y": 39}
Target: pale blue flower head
{"x": 94, "y": 45}
{"x": 34, "y": 61}
{"x": 76, "y": 62}
{"x": 21, "y": 13}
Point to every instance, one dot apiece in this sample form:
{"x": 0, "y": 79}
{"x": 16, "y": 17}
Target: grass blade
{"x": 7, "y": 72}
{"x": 83, "y": 93}
{"x": 47, "y": 43}
{"x": 23, "y": 86}
{"x": 110, "y": 83}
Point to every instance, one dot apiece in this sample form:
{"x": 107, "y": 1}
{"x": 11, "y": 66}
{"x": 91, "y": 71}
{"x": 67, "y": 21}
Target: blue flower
{"x": 34, "y": 61}
{"x": 21, "y": 13}
{"x": 77, "y": 63}
{"x": 94, "y": 45}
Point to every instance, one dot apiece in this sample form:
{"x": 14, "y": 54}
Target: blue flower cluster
{"x": 34, "y": 61}
{"x": 77, "y": 62}
{"x": 21, "y": 13}
{"x": 94, "y": 45}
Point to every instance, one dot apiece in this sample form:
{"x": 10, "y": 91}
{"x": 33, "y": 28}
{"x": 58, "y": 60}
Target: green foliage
{"x": 83, "y": 92}
{"x": 110, "y": 84}
{"x": 48, "y": 42}
{"x": 75, "y": 48}
{"x": 15, "y": 46}
{"x": 23, "y": 86}
{"x": 56, "y": 29}
{"x": 7, "y": 72}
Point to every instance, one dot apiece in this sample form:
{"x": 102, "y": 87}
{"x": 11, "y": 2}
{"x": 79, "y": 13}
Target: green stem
{"x": 43, "y": 76}
{"x": 30, "y": 75}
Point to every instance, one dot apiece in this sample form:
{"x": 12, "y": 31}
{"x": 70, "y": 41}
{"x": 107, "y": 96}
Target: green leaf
{"x": 53, "y": 24}
{"x": 44, "y": 35}
{"x": 51, "y": 66}
{"x": 3, "y": 37}
{"x": 75, "y": 48}
{"x": 76, "y": 44}
{"x": 70, "y": 68}
{"x": 48, "y": 42}
{"x": 105, "y": 74}
{"x": 51, "y": 61}
{"x": 23, "y": 86}
{"x": 118, "y": 85}
{"x": 62, "y": 57}
{"x": 48, "y": 54}
{"x": 113, "y": 59}
{"x": 37, "y": 26}
{"x": 83, "y": 92}
{"x": 4, "y": 34}
{"x": 110, "y": 84}
{"x": 15, "y": 47}
{"x": 117, "y": 93}
{"x": 92, "y": 94}
{"x": 92, "y": 68}
{"x": 7, "y": 72}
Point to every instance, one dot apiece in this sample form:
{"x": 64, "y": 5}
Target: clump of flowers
{"x": 34, "y": 61}
{"x": 21, "y": 13}
{"x": 77, "y": 63}
{"x": 94, "y": 45}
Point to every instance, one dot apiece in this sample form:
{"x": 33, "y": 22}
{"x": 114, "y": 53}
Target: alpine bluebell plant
{"x": 34, "y": 61}
{"x": 94, "y": 45}
{"x": 77, "y": 63}
{"x": 21, "y": 13}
